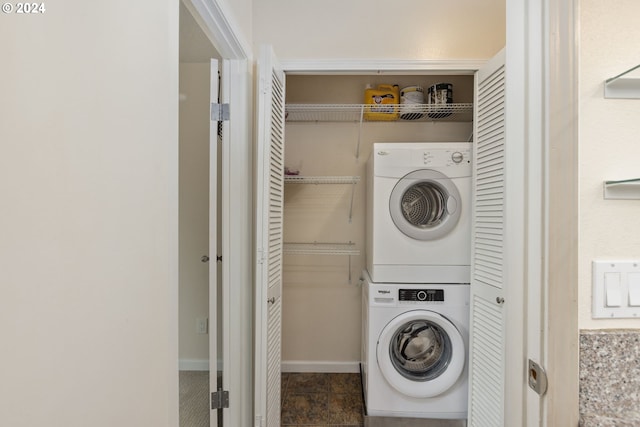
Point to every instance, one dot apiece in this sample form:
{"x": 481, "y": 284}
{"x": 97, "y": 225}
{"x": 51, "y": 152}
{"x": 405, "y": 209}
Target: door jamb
{"x": 220, "y": 27}
{"x": 534, "y": 277}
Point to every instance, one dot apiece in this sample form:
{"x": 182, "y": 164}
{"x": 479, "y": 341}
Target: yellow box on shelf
{"x": 382, "y": 103}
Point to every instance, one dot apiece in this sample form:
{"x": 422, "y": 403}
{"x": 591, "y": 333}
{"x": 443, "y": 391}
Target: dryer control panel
{"x": 446, "y": 157}
{"x": 396, "y": 159}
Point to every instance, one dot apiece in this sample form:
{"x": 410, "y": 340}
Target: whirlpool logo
{"x": 384, "y": 291}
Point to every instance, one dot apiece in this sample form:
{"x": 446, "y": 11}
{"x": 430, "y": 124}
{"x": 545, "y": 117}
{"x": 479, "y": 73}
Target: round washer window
{"x": 420, "y": 350}
{"x": 421, "y": 353}
{"x": 424, "y": 205}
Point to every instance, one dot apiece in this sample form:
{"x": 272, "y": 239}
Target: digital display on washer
{"x": 430, "y": 295}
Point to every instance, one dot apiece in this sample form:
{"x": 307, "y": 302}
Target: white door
{"x": 229, "y": 239}
{"x": 488, "y": 326}
{"x": 507, "y": 252}
{"x": 269, "y": 210}
{"x": 215, "y": 323}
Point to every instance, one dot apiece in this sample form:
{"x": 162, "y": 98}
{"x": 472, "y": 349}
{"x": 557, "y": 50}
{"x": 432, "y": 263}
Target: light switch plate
{"x": 604, "y": 290}
{"x": 612, "y": 290}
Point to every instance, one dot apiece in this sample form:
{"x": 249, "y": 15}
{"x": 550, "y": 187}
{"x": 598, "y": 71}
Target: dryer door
{"x": 425, "y": 205}
{"x": 421, "y": 353}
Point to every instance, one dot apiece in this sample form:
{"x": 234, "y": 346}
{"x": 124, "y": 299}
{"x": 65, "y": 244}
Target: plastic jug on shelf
{"x": 382, "y": 103}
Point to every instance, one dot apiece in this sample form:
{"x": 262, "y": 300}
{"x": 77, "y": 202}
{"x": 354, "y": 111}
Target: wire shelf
{"x": 355, "y": 112}
{"x": 298, "y": 179}
{"x": 317, "y": 248}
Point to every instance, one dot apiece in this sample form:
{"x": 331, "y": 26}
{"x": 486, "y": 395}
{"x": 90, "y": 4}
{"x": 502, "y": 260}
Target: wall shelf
{"x": 299, "y": 179}
{"x": 623, "y": 86}
{"x": 317, "y": 248}
{"x": 321, "y": 113}
{"x": 355, "y": 112}
{"x": 626, "y": 189}
{"x": 353, "y": 180}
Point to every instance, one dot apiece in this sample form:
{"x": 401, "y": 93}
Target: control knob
{"x": 457, "y": 157}
{"x": 421, "y": 295}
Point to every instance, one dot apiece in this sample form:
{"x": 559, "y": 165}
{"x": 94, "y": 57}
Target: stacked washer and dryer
{"x": 416, "y": 285}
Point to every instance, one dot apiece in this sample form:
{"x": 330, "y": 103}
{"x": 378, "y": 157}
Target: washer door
{"x": 425, "y": 205}
{"x": 421, "y": 353}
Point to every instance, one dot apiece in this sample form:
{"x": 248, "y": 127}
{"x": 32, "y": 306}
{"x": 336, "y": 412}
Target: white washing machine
{"x": 415, "y": 349}
{"x": 419, "y": 212}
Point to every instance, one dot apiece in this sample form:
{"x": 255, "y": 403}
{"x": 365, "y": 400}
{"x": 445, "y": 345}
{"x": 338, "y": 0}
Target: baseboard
{"x": 286, "y": 366}
{"x": 319, "y": 366}
{"x": 196, "y": 365}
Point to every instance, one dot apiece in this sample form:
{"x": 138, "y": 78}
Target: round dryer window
{"x": 425, "y": 205}
{"x": 421, "y": 353}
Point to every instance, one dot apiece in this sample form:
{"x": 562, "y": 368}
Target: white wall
{"x": 609, "y": 148}
{"x": 194, "y": 212}
{"x": 88, "y": 177}
{"x": 412, "y": 29}
{"x": 240, "y": 13}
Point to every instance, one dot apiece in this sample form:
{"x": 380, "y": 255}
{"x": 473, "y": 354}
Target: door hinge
{"x": 219, "y": 112}
{"x": 219, "y": 399}
{"x": 537, "y": 378}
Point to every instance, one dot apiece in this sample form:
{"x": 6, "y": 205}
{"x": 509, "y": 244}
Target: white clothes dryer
{"x": 415, "y": 350}
{"x": 419, "y": 212}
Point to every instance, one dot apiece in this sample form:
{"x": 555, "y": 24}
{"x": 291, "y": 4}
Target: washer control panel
{"x": 421, "y": 295}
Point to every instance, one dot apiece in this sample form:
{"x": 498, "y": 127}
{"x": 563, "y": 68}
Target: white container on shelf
{"x": 411, "y": 100}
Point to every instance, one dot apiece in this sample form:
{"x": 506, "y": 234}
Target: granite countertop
{"x": 599, "y": 421}
{"x": 610, "y": 378}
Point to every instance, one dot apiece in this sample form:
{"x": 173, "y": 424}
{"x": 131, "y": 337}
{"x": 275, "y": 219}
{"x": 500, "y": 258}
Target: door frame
{"x": 217, "y": 23}
{"x": 560, "y": 289}
{"x": 542, "y": 57}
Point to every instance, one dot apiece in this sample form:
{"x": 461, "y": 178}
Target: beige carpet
{"x": 194, "y": 399}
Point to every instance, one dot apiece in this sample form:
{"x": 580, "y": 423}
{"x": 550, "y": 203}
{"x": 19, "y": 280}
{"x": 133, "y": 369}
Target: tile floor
{"x": 320, "y": 400}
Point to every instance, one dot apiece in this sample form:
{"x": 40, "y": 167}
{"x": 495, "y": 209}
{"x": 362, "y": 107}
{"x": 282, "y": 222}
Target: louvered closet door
{"x": 269, "y": 185}
{"x": 487, "y": 344}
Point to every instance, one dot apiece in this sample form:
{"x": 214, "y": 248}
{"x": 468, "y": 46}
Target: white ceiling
{"x": 194, "y": 44}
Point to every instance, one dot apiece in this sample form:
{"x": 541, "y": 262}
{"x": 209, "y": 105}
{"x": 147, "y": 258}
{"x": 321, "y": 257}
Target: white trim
{"x": 320, "y": 366}
{"x": 381, "y": 66}
{"x": 237, "y": 220}
{"x": 194, "y": 364}
{"x": 216, "y": 324}
{"x": 561, "y": 344}
{"x": 173, "y": 226}
{"x": 536, "y": 204}
{"x": 515, "y": 239}
{"x": 198, "y": 365}
{"x": 219, "y": 26}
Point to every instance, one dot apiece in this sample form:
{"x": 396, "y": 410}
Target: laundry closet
{"x": 327, "y": 145}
